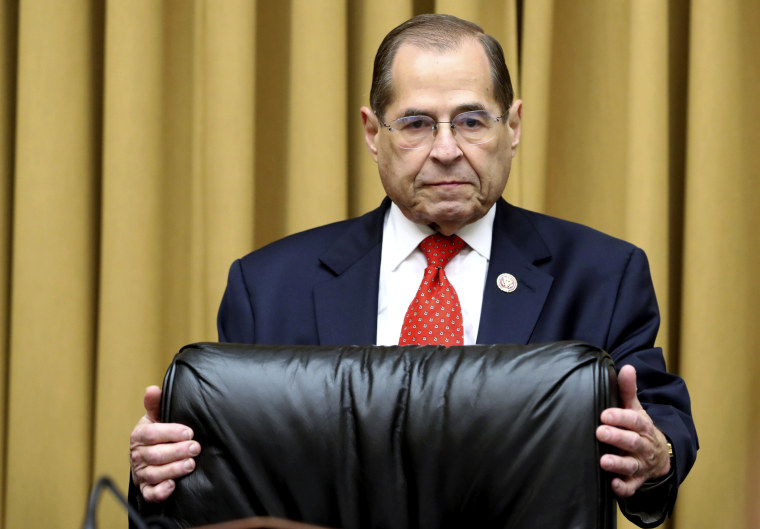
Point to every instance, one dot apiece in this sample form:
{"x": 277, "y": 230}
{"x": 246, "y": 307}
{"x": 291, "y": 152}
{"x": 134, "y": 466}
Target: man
{"x": 443, "y": 129}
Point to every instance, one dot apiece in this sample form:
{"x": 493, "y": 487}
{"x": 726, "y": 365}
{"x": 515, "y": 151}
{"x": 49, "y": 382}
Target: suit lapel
{"x": 346, "y": 305}
{"x": 516, "y": 248}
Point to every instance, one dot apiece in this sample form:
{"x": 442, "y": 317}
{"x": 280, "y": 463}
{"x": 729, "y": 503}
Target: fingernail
{"x": 604, "y": 434}
{"x": 187, "y": 435}
{"x": 194, "y": 449}
{"x": 189, "y": 465}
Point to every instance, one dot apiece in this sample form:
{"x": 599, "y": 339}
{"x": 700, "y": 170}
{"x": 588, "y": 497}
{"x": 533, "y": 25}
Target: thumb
{"x": 627, "y": 388}
{"x": 152, "y": 403}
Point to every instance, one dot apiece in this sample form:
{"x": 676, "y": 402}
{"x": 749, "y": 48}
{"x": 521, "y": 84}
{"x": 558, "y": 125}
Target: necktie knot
{"x": 440, "y": 249}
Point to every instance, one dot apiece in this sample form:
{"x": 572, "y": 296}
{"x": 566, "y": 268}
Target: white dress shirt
{"x": 403, "y": 264}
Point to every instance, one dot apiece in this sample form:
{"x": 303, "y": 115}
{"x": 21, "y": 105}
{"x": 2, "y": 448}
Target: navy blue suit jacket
{"x": 574, "y": 283}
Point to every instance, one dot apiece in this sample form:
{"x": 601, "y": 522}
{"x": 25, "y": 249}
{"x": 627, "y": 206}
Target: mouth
{"x": 453, "y": 181}
{"x": 447, "y": 184}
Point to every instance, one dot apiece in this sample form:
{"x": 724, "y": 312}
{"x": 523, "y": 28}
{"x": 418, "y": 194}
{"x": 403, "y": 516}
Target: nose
{"x": 445, "y": 145}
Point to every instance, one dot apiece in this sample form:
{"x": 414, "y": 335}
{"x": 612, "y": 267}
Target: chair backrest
{"x": 394, "y": 437}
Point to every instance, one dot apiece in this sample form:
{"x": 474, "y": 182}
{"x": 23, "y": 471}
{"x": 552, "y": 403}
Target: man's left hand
{"x": 643, "y": 450}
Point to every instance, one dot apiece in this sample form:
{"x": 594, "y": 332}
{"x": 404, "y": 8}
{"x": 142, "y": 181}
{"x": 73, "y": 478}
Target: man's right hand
{"x": 158, "y": 452}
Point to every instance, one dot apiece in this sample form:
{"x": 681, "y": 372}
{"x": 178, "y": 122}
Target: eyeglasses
{"x": 416, "y": 132}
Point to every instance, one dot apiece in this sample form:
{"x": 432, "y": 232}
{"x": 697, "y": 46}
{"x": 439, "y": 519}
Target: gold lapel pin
{"x": 506, "y": 282}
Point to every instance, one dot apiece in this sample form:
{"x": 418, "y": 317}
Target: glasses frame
{"x": 434, "y": 128}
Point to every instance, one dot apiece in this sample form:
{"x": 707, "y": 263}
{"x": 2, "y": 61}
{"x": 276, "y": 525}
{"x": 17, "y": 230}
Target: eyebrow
{"x": 465, "y": 107}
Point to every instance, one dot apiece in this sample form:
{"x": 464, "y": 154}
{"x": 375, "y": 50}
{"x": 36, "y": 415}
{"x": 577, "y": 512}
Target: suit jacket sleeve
{"x": 633, "y": 329}
{"x": 598, "y": 289}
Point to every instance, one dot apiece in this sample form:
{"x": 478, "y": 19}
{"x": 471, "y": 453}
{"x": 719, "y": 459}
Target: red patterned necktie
{"x": 434, "y": 316}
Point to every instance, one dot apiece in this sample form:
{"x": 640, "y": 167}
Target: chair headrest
{"x": 401, "y": 437}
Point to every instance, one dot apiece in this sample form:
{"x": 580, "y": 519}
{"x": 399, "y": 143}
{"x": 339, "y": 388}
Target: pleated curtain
{"x": 146, "y": 144}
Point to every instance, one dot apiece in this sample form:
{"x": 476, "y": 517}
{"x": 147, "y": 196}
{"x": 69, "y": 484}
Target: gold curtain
{"x": 145, "y": 144}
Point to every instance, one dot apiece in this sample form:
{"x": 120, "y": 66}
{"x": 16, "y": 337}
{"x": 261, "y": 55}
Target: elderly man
{"x": 443, "y": 128}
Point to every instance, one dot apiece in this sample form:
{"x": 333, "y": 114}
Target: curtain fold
{"x": 53, "y": 262}
{"x": 652, "y": 99}
{"x": 721, "y": 289}
{"x": 8, "y": 53}
{"x": 146, "y": 144}
{"x": 535, "y": 88}
{"x": 315, "y": 183}
{"x": 368, "y": 24}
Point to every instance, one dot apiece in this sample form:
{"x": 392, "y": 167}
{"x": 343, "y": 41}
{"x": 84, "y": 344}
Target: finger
{"x": 163, "y": 454}
{"x": 157, "y": 474}
{"x": 153, "y": 433}
{"x": 627, "y": 420}
{"x": 625, "y": 488}
{"x": 157, "y": 493}
{"x": 627, "y": 388}
{"x": 624, "y": 439}
{"x": 625, "y": 466}
{"x": 628, "y": 470}
{"x": 152, "y": 403}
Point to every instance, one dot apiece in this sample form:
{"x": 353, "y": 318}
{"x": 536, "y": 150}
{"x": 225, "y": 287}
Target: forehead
{"x": 438, "y": 81}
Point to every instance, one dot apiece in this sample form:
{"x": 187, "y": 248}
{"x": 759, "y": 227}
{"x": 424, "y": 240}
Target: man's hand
{"x": 159, "y": 452}
{"x": 643, "y": 448}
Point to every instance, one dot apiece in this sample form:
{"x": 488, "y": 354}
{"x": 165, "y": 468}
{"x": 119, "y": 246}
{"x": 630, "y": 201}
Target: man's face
{"x": 451, "y": 183}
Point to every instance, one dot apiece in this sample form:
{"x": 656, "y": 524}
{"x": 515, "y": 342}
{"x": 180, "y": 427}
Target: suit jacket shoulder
{"x": 568, "y": 278}
{"x": 315, "y": 287}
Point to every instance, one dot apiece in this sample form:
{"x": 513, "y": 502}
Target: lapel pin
{"x": 506, "y": 282}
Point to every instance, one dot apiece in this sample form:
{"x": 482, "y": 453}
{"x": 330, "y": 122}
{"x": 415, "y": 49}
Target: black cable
{"x": 90, "y": 519}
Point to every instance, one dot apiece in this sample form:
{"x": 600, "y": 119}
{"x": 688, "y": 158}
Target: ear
{"x": 371, "y": 129}
{"x": 515, "y": 123}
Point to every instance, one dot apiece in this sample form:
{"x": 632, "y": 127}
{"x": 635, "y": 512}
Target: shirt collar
{"x": 401, "y": 236}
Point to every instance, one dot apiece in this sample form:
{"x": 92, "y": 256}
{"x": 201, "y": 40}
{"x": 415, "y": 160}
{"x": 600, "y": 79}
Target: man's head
{"x": 439, "y": 67}
{"x": 442, "y": 33}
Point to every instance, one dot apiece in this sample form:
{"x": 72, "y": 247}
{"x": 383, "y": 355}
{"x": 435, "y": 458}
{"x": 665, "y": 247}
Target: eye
{"x": 471, "y": 120}
{"x": 414, "y": 123}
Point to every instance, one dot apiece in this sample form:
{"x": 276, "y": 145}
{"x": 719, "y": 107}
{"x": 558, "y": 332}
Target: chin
{"x": 453, "y": 214}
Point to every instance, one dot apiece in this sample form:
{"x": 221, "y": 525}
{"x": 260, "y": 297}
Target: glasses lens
{"x": 413, "y": 131}
{"x": 475, "y": 127}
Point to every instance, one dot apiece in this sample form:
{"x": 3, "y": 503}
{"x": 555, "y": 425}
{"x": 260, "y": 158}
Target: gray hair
{"x": 443, "y": 33}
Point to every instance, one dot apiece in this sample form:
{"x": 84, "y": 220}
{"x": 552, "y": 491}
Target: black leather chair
{"x": 394, "y": 437}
